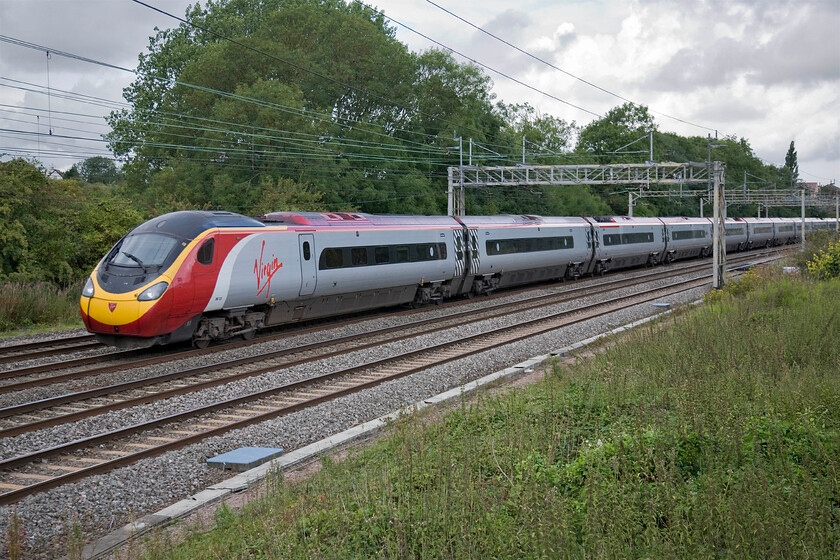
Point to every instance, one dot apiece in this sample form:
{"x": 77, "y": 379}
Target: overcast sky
{"x": 764, "y": 70}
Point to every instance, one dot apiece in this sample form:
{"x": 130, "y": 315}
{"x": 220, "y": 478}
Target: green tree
{"x": 317, "y": 69}
{"x": 54, "y": 230}
{"x": 548, "y": 139}
{"x": 73, "y": 172}
{"x": 96, "y": 169}
{"x": 451, "y": 97}
{"x": 318, "y": 92}
{"x": 18, "y": 181}
{"x": 619, "y": 127}
{"x": 791, "y": 164}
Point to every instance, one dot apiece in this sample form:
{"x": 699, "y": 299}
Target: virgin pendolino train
{"x": 205, "y": 276}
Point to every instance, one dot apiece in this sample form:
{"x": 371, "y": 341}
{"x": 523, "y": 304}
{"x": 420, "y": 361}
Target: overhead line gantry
{"x": 644, "y": 174}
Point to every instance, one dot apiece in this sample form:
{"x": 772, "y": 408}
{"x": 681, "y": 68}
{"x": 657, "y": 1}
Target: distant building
{"x": 811, "y": 189}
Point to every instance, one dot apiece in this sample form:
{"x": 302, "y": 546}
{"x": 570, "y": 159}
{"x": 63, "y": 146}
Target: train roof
{"x": 354, "y": 219}
{"x": 188, "y": 224}
{"x": 625, "y": 220}
{"x": 686, "y": 220}
{"x": 519, "y": 220}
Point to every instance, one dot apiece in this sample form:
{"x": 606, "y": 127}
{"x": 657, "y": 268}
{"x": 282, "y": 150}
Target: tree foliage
{"x": 96, "y": 169}
{"x": 255, "y": 106}
{"x": 55, "y": 230}
{"x": 319, "y": 94}
{"x": 315, "y": 92}
{"x": 621, "y": 126}
{"x": 791, "y": 164}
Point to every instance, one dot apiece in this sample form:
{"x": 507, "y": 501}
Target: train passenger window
{"x": 332, "y": 258}
{"x": 307, "y": 251}
{"x": 418, "y": 253}
{"x": 401, "y": 253}
{"x": 344, "y": 257}
{"x": 532, "y": 245}
{"x": 636, "y": 238}
{"x": 382, "y": 255}
{"x": 358, "y": 256}
{"x": 205, "y": 252}
{"x": 688, "y": 234}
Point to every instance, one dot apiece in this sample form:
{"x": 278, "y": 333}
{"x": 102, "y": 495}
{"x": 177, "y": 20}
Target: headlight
{"x": 151, "y": 294}
{"x": 88, "y": 290}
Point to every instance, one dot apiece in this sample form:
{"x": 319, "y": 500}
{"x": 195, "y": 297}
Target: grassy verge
{"x": 716, "y": 438}
{"x": 34, "y": 307}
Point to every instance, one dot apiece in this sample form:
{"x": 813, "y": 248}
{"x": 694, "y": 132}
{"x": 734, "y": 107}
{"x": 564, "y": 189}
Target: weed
{"x": 75, "y": 540}
{"x": 15, "y": 537}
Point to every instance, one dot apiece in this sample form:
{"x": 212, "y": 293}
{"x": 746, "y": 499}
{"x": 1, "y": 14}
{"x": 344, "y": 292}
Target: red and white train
{"x": 205, "y": 276}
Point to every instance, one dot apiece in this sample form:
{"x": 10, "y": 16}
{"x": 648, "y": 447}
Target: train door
{"x": 206, "y": 267}
{"x": 462, "y": 251}
{"x": 308, "y": 264}
{"x": 198, "y": 276}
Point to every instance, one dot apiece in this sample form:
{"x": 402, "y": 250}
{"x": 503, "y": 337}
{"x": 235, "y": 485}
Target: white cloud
{"x": 765, "y": 70}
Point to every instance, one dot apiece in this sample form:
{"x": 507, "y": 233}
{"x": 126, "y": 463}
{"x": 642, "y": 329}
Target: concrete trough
{"x": 244, "y": 458}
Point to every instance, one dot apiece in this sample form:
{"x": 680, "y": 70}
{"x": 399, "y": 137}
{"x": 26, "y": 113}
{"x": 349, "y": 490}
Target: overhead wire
{"x": 297, "y": 137}
{"x": 474, "y": 61}
{"x": 99, "y": 101}
{"x": 336, "y": 121}
{"x": 291, "y": 63}
{"x": 555, "y": 67}
{"x": 177, "y": 121}
{"x": 94, "y": 100}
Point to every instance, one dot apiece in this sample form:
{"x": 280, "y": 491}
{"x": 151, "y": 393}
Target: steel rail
{"x": 44, "y": 348}
{"x": 165, "y": 357}
{"x": 77, "y": 397}
{"x": 609, "y": 305}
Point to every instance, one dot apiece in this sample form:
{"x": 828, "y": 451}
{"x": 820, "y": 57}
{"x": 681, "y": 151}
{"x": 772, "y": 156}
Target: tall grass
{"x": 716, "y": 438}
{"x": 27, "y": 305}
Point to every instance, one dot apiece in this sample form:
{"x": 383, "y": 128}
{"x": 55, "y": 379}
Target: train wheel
{"x": 201, "y": 343}
{"x": 248, "y": 335}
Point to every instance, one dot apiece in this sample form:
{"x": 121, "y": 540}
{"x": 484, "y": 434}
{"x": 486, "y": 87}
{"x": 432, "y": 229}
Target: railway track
{"x": 38, "y": 471}
{"x": 28, "y": 377}
{"x": 47, "y": 412}
{"x": 45, "y": 348}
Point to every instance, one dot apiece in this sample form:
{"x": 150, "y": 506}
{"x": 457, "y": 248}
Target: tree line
{"x": 265, "y": 105}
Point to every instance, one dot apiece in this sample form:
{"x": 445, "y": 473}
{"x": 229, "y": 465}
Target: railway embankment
{"x": 717, "y": 435}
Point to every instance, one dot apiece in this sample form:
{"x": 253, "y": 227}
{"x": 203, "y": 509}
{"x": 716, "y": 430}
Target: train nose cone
{"x": 115, "y": 309}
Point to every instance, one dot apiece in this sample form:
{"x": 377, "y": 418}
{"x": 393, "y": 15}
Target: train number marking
{"x": 264, "y": 271}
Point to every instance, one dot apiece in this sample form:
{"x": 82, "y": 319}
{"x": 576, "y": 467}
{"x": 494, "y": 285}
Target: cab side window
{"x": 205, "y": 253}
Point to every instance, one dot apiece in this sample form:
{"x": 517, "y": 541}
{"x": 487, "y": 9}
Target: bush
{"x": 826, "y": 264}
{"x": 814, "y": 243}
